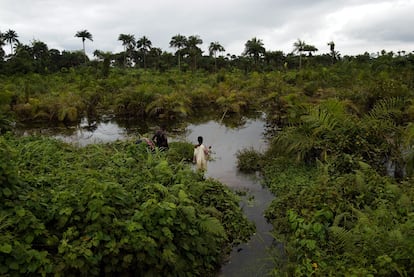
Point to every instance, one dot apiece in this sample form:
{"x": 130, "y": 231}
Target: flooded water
{"x": 249, "y": 259}
{"x": 252, "y": 258}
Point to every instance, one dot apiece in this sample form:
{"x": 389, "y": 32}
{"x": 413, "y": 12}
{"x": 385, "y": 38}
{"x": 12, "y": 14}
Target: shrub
{"x": 249, "y": 160}
{"x": 111, "y": 209}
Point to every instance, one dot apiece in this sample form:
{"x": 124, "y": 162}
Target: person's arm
{"x": 206, "y": 152}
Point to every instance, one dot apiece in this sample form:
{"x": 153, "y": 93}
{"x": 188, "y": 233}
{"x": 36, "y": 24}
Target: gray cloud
{"x": 355, "y": 26}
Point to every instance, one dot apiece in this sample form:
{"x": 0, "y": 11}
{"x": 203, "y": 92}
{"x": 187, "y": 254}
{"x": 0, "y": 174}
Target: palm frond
{"x": 340, "y": 236}
{"x": 340, "y": 218}
{"x": 388, "y": 109}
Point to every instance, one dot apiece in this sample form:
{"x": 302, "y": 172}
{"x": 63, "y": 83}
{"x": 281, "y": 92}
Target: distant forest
{"x": 37, "y": 57}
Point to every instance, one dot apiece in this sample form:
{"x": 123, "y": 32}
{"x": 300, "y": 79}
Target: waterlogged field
{"x": 340, "y": 164}
{"x": 111, "y": 209}
{"x": 245, "y": 259}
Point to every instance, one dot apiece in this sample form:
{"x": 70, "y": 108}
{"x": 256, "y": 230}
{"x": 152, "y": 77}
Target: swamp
{"x": 311, "y": 171}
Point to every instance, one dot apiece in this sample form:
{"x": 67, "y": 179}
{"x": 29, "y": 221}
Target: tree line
{"x": 37, "y": 57}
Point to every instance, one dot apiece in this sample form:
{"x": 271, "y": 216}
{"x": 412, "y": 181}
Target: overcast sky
{"x": 356, "y": 26}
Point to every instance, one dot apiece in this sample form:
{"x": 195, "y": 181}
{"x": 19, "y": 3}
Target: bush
{"x": 112, "y": 209}
{"x": 355, "y": 223}
{"x": 249, "y": 160}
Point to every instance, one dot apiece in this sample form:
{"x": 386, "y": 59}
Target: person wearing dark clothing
{"x": 160, "y": 139}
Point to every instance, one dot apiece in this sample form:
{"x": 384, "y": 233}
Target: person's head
{"x": 200, "y": 139}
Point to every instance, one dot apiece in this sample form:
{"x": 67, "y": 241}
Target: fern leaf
{"x": 211, "y": 225}
{"x": 340, "y": 236}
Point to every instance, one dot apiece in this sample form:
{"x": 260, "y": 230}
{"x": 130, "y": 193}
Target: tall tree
{"x": 155, "y": 56}
{"x": 333, "y": 53}
{"x": 128, "y": 41}
{"x": 179, "y": 42}
{"x": 193, "y": 49}
{"x": 2, "y": 43}
{"x": 213, "y": 49}
{"x": 84, "y": 34}
{"x": 274, "y": 58}
{"x": 144, "y": 44}
{"x": 40, "y": 53}
{"x": 11, "y": 38}
{"x": 254, "y": 48}
{"x": 299, "y": 47}
{"x": 310, "y": 49}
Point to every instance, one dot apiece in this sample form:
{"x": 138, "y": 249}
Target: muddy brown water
{"x": 248, "y": 259}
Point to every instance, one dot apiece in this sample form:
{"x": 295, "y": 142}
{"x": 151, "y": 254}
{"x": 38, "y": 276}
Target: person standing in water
{"x": 160, "y": 139}
{"x": 200, "y": 155}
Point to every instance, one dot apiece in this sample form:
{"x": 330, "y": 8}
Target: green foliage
{"x": 180, "y": 151}
{"x": 249, "y": 160}
{"x": 353, "y": 223}
{"x": 109, "y": 210}
{"x": 8, "y": 169}
{"x": 340, "y": 125}
{"x": 336, "y": 210}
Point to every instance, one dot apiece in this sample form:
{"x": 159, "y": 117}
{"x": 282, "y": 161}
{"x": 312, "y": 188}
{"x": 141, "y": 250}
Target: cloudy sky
{"x": 356, "y": 26}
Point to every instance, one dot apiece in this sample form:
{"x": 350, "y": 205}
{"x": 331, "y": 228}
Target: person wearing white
{"x": 200, "y": 155}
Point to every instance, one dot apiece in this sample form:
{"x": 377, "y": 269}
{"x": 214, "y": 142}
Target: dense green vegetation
{"x": 110, "y": 210}
{"x": 340, "y": 161}
{"x": 341, "y": 168}
{"x": 330, "y": 224}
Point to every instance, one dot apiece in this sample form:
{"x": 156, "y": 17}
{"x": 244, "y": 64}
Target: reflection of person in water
{"x": 160, "y": 139}
{"x": 200, "y": 155}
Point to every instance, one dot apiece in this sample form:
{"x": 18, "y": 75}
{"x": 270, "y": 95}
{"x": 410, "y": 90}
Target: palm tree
{"x": 2, "y": 43}
{"x": 193, "y": 49}
{"x": 334, "y": 54}
{"x": 299, "y": 48}
{"x": 213, "y": 48}
{"x": 310, "y": 48}
{"x": 323, "y": 131}
{"x": 179, "y": 42}
{"x": 128, "y": 41}
{"x": 11, "y": 38}
{"x": 170, "y": 106}
{"x": 144, "y": 44}
{"x": 254, "y": 48}
{"x": 84, "y": 35}
{"x": 387, "y": 136}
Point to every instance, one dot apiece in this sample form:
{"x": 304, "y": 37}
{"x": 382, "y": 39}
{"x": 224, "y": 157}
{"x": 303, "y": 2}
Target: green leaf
{"x": 29, "y": 238}
{"x": 20, "y": 211}
{"x": 7, "y": 192}
{"x": 6, "y": 248}
{"x": 14, "y": 265}
{"x": 317, "y": 227}
{"x": 88, "y": 253}
{"x": 66, "y": 211}
{"x": 182, "y": 195}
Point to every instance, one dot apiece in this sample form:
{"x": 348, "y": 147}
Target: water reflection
{"x": 86, "y": 132}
